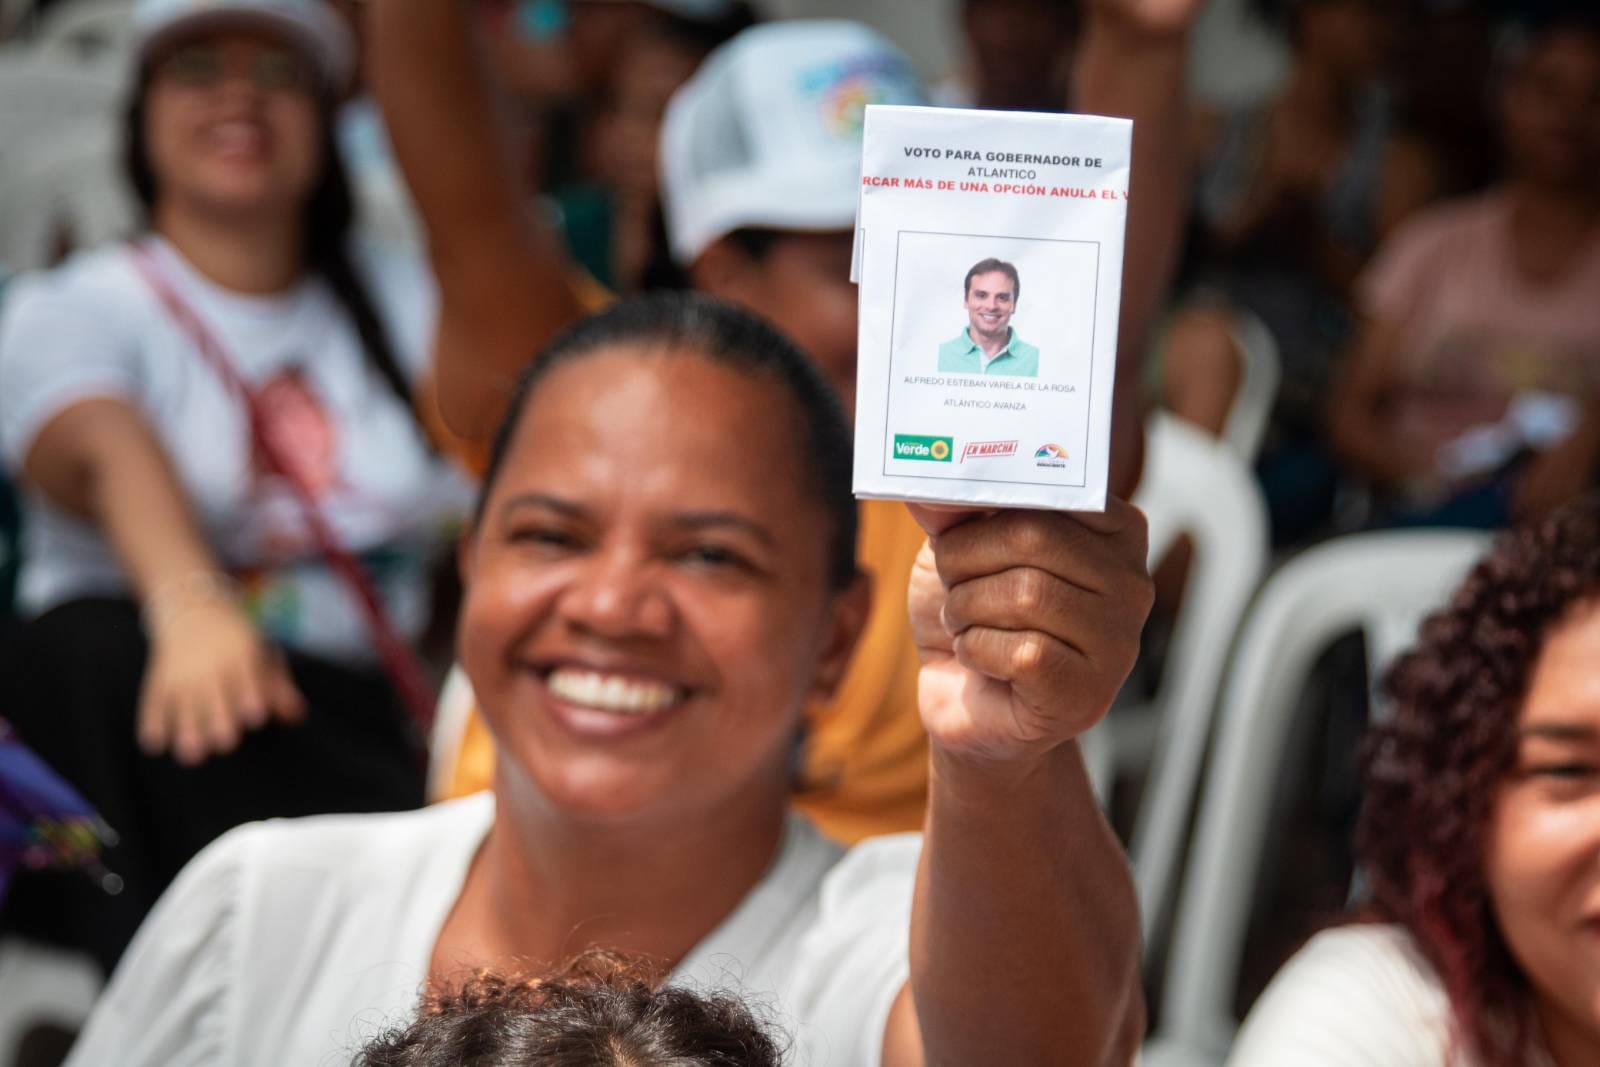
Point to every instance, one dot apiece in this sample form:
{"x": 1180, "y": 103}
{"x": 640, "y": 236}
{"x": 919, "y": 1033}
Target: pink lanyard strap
{"x": 399, "y": 661}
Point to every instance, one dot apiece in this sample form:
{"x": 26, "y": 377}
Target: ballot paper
{"x": 989, "y": 259}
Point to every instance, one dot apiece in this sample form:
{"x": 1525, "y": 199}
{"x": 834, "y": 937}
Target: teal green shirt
{"x": 963, "y": 356}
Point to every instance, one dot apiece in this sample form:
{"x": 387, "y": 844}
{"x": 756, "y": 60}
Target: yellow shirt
{"x": 864, "y": 769}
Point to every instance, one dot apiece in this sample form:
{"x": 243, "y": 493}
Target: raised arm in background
{"x": 505, "y": 287}
{"x": 1133, "y": 64}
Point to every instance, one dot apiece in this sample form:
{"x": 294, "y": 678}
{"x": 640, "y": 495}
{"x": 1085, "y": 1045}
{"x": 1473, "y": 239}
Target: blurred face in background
{"x": 629, "y": 131}
{"x": 232, "y": 124}
{"x": 599, "y": 33}
{"x": 1550, "y": 112}
{"x": 801, "y": 284}
{"x": 1543, "y": 863}
{"x": 1022, "y": 50}
{"x": 1349, "y": 38}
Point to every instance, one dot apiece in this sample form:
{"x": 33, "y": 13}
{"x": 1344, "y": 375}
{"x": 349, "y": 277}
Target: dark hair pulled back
{"x": 732, "y": 337}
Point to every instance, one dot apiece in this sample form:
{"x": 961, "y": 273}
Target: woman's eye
{"x": 543, "y": 537}
{"x": 714, "y": 556}
{"x": 195, "y": 67}
{"x": 281, "y": 70}
{"x": 1565, "y": 771}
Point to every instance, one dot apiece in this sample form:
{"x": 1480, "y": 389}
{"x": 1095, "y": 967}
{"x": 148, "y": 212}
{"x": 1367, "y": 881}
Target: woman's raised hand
{"x": 1028, "y": 623}
{"x": 210, "y": 677}
{"x": 1155, "y": 17}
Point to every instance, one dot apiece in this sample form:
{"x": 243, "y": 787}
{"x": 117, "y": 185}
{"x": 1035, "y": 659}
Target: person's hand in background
{"x": 211, "y": 675}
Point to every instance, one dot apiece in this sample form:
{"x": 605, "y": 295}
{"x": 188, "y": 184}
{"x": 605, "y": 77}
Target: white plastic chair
{"x": 1193, "y": 484}
{"x": 1258, "y": 385}
{"x": 45, "y": 93}
{"x": 1381, "y": 584}
{"x": 450, "y": 719}
{"x": 39, "y": 986}
{"x": 96, "y": 30}
{"x": 70, "y": 184}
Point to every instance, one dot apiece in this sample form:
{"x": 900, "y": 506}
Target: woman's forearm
{"x": 440, "y": 111}
{"x": 99, "y": 460}
{"x": 1136, "y": 73}
{"x": 505, "y": 288}
{"x": 1025, "y": 930}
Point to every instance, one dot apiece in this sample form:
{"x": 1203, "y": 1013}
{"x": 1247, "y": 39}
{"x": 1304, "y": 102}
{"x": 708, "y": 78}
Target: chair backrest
{"x": 41, "y": 985}
{"x": 96, "y": 30}
{"x": 1197, "y": 485}
{"x": 1382, "y": 584}
{"x": 70, "y": 185}
{"x": 450, "y": 719}
{"x": 44, "y": 93}
{"x": 1258, "y": 385}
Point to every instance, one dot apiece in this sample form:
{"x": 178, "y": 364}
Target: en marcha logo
{"x": 931, "y": 449}
{"x": 987, "y": 449}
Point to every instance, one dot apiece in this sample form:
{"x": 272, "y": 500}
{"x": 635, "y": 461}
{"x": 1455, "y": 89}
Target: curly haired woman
{"x": 1480, "y": 835}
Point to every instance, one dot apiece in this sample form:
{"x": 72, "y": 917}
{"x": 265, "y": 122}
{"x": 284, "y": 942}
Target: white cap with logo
{"x": 768, "y": 131}
{"x": 310, "y": 24}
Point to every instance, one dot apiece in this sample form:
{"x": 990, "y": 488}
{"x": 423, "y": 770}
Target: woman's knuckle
{"x": 1029, "y": 654}
{"x": 1027, "y": 590}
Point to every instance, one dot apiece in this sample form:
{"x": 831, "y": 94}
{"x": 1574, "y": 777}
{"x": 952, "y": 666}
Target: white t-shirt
{"x": 1355, "y": 996}
{"x": 297, "y": 941}
{"x": 93, "y": 328}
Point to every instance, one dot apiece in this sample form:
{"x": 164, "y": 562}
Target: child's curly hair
{"x": 600, "y": 1010}
{"x": 1434, "y": 768}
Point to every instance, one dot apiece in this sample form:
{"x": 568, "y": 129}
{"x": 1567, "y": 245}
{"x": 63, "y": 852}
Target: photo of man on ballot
{"x": 989, "y": 344}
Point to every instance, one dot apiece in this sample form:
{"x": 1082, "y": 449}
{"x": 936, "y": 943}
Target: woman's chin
{"x": 601, "y": 790}
{"x": 245, "y": 191}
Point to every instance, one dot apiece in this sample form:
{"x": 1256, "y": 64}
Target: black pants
{"x": 69, "y": 684}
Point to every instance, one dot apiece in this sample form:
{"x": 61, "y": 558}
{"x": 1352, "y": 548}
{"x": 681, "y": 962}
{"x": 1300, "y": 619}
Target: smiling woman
{"x": 660, "y": 580}
{"x": 617, "y": 591}
{"x": 1480, "y": 834}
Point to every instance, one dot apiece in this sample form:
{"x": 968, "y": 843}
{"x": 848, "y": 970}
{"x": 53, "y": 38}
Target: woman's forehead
{"x": 663, "y": 423}
{"x": 1566, "y": 678}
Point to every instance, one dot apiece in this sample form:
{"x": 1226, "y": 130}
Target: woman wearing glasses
{"x": 231, "y": 505}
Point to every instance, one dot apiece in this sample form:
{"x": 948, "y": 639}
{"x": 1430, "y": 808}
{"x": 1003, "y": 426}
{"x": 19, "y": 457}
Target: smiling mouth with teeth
{"x": 614, "y": 693}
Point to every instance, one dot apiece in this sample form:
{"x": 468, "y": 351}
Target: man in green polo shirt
{"x": 989, "y": 345}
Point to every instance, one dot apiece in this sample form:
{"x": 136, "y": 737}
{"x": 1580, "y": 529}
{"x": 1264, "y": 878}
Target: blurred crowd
{"x": 275, "y": 465}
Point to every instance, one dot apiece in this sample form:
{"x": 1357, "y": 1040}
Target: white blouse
{"x": 297, "y": 941}
{"x": 1355, "y": 996}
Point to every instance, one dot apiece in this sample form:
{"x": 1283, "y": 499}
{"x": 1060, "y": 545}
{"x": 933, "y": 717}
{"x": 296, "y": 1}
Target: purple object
{"x": 44, "y": 821}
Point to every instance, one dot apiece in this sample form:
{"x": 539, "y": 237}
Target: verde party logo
{"x": 929, "y": 449}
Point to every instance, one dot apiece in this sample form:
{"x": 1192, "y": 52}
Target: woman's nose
{"x": 618, "y": 596}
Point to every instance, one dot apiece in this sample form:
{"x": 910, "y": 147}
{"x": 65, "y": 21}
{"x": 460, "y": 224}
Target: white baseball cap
{"x": 768, "y": 131}
{"x": 310, "y": 24}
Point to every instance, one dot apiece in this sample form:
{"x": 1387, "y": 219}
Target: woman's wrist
{"x": 174, "y": 597}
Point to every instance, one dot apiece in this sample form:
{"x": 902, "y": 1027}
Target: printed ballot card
{"x": 989, "y": 258}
